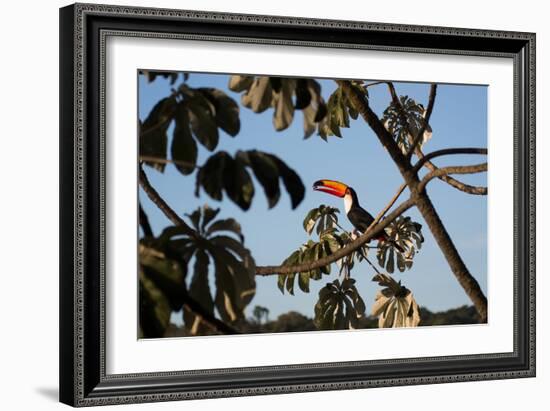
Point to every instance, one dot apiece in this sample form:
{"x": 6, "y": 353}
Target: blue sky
{"x": 459, "y": 119}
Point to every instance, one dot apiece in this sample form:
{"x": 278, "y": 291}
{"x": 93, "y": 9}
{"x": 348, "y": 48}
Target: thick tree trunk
{"x": 459, "y": 269}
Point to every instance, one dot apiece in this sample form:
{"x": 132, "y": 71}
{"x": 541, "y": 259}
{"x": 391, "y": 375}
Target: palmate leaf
{"x": 154, "y": 308}
{"x": 284, "y": 95}
{"x": 153, "y": 140}
{"x": 167, "y": 273}
{"x": 266, "y": 171}
{"x": 184, "y": 148}
{"x": 198, "y": 114}
{"x": 339, "y": 306}
{"x": 405, "y": 239}
{"x": 339, "y": 111}
{"x": 226, "y": 110}
{"x": 221, "y": 247}
{"x": 152, "y": 75}
{"x": 394, "y": 305}
{"x": 329, "y": 242}
{"x": 199, "y": 290}
{"x": 223, "y": 173}
{"x": 399, "y": 125}
{"x": 324, "y": 217}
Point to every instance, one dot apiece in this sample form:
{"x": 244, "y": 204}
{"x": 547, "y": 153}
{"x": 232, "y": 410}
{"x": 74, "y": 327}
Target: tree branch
{"x": 144, "y": 223}
{"x": 361, "y": 105}
{"x": 215, "y": 324}
{"x": 342, "y": 252}
{"x": 477, "y": 168}
{"x": 155, "y": 197}
{"x": 429, "y": 109}
{"x": 466, "y": 280}
{"x": 447, "y": 151}
{"x": 375, "y": 83}
{"x": 421, "y": 199}
{"x": 158, "y": 160}
{"x": 459, "y": 185}
{"x": 388, "y": 206}
{"x": 428, "y": 164}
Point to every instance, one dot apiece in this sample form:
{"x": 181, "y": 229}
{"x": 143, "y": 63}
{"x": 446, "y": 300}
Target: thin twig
{"x": 155, "y": 197}
{"x": 459, "y": 185}
{"x": 477, "y": 168}
{"x": 447, "y": 151}
{"x": 375, "y": 83}
{"x": 144, "y": 223}
{"x": 158, "y": 160}
{"x": 342, "y": 252}
{"x": 212, "y": 322}
{"x": 372, "y": 265}
{"x": 388, "y": 206}
{"x": 418, "y": 138}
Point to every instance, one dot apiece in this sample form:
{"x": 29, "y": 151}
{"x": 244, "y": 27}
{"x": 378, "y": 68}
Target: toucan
{"x": 360, "y": 218}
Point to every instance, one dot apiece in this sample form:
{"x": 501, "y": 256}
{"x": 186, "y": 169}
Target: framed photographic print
{"x": 261, "y": 204}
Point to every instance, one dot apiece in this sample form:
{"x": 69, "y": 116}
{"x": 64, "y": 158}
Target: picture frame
{"x": 84, "y": 29}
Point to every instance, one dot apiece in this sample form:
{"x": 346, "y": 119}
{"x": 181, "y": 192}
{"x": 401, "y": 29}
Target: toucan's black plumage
{"x": 357, "y": 215}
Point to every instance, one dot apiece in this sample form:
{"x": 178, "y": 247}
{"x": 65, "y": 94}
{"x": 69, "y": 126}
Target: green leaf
{"x": 226, "y": 295}
{"x": 290, "y": 283}
{"x": 184, "y": 147}
{"x": 284, "y": 108}
{"x": 153, "y": 140}
{"x": 291, "y": 180}
{"x": 199, "y": 290}
{"x": 258, "y": 96}
{"x": 235, "y": 247}
{"x": 195, "y": 218}
{"x": 203, "y": 124}
{"x": 267, "y": 173}
{"x": 399, "y": 124}
{"x": 228, "y": 224}
{"x": 208, "y": 215}
{"x": 240, "y": 83}
{"x": 237, "y": 183}
{"x": 167, "y": 274}
{"x": 303, "y": 282}
{"x": 339, "y": 306}
{"x": 310, "y": 220}
{"x": 211, "y": 175}
{"x": 281, "y": 278}
{"x": 303, "y": 96}
{"x": 404, "y": 239}
{"x": 154, "y": 308}
{"x": 394, "y": 305}
{"x": 226, "y": 109}
{"x": 237, "y": 280}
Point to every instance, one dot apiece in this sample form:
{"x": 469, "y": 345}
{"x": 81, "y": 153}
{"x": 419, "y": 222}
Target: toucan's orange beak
{"x": 335, "y": 188}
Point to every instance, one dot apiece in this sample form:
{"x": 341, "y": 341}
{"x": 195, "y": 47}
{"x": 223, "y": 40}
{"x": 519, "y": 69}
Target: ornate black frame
{"x": 83, "y": 30}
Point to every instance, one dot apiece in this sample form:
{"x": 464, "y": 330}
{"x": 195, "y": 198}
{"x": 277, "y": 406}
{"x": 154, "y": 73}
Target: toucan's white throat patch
{"x": 348, "y": 201}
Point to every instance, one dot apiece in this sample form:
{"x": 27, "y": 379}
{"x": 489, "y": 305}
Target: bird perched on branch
{"x": 357, "y": 215}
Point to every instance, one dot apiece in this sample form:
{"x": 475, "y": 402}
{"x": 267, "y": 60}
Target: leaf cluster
{"x": 404, "y": 122}
{"x": 286, "y": 95}
{"x": 224, "y": 173}
{"x": 339, "y": 306}
{"x": 325, "y": 218}
{"x": 404, "y": 240}
{"x": 394, "y": 305}
{"x": 198, "y": 115}
{"x": 165, "y": 285}
{"x": 339, "y": 111}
